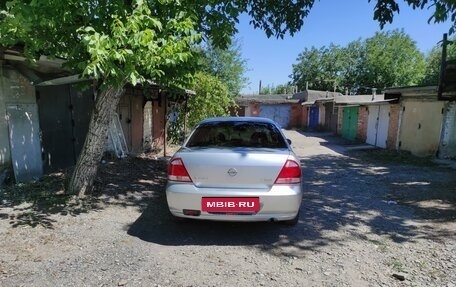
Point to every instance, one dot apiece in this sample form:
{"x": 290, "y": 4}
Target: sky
{"x": 340, "y": 22}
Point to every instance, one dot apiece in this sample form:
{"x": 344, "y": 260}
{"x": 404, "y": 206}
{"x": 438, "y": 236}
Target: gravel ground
{"x": 368, "y": 218}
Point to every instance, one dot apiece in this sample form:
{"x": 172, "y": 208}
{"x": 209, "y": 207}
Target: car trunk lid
{"x": 255, "y": 168}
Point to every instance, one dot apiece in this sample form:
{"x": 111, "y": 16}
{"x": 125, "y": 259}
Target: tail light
{"x": 290, "y": 173}
{"x": 177, "y": 171}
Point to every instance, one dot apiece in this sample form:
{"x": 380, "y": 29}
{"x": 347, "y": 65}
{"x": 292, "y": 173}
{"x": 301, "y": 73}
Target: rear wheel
{"x": 291, "y": 222}
{"x": 177, "y": 219}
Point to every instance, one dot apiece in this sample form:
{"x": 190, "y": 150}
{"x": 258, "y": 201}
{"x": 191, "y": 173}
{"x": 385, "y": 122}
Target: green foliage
{"x": 278, "y": 90}
{"x": 226, "y": 64}
{"x": 433, "y": 61}
{"x": 118, "y": 44}
{"x": 443, "y": 10}
{"x": 387, "y": 59}
{"x": 140, "y": 46}
{"x": 121, "y": 41}
{"x": 321, "y": 69}
{"x": 392, "y": 60}
{"x": 212, "y": 99}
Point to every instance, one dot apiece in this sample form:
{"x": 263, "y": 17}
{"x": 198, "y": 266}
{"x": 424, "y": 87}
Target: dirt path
{"x": 366, "y": 217}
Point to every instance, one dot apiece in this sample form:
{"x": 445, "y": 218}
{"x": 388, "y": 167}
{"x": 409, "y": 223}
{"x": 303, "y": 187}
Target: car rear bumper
{"x": 280, "y": 203}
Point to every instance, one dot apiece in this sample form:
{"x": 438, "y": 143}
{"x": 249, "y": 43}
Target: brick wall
{"x": 255, "y": 110}
{"x": 305, "y": 116}
{"x": 296, "y": 116}
{"x": 363, "y": 116}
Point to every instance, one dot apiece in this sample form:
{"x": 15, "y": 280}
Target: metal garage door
{"x": 24, "y": 141}
{"x": 421, "y": 127}
{"x": 314, "y": 117}
{"x": 278, "y": 113}
{"x": 377, "y": 125}
{"x": 350, "y": 122}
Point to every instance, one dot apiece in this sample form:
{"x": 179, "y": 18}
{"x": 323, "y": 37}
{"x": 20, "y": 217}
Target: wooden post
{"x": 185, "y": 114}
{"x": 165, "y": 130}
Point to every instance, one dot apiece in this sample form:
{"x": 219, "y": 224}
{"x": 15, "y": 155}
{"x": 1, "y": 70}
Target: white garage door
{"x": 377, "y": 125}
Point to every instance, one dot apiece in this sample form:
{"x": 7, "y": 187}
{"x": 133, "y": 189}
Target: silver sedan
{"x": 235, "y": 169}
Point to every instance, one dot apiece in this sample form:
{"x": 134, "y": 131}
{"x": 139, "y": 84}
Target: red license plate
{"x": 230, "y": 204}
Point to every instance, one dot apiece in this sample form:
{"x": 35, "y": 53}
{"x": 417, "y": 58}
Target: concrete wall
{"x": 448, "y": 141}
{"x": 393, "y": 126}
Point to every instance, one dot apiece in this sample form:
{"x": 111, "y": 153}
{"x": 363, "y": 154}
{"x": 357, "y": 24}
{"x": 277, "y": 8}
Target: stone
{"x": 399, "y": 276}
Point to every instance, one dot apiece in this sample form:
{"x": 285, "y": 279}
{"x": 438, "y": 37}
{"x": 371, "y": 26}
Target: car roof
{"x": 238, "y": 119}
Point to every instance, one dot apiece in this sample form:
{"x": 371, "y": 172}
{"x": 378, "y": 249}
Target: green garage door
{"x": 350, "y": 122}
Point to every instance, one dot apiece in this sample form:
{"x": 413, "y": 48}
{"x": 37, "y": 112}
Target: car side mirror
{"x": 289, "y": 141}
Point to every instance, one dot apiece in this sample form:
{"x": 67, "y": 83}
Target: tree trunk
{"x": 86, "y": 167}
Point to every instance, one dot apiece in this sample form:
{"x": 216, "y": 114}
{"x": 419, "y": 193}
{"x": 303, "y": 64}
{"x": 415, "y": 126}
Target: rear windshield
{"x": 237, "y": 134}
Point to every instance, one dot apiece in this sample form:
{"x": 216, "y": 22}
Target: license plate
{"x": 230, "y": 204}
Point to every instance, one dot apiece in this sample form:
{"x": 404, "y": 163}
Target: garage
{"x": 377, "y": 125}
{"x": 278, "y": 113}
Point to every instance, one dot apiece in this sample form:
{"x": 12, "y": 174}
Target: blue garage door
{"x": 278, "y": 113}
{"x": 314, "y": 116}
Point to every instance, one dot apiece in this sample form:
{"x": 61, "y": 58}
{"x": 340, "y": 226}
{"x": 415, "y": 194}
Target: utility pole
{"x": 447, "y": 72}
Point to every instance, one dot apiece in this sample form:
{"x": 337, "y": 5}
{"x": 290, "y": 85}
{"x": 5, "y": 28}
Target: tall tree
{"x": 353, "y": 58}
{"x": 433, "y": 62}
{"x": 308, "y": 69}
{"x": 321, "y": 69}
{"x": 118, "y": 42}
{"x": 226, "y": 64}
{"x": 385, "y": 60}
{"x": 392, "y": 60}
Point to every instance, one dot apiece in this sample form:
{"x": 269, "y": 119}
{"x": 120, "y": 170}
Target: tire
{"x": 291, "y": 222}
{"x": 177, "y": 219}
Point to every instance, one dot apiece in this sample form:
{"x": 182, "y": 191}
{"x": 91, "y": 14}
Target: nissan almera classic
{"x": 235, "y": 169}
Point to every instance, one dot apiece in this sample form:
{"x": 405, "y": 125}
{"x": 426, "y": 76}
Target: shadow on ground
{"x": 129, "y": 182}
{"x": 340, "y": 193}
{"x": 358, "y": 196}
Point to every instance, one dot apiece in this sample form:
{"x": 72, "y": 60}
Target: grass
{"x": 397, "y": 265}
{"x": 396, "y": 157}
